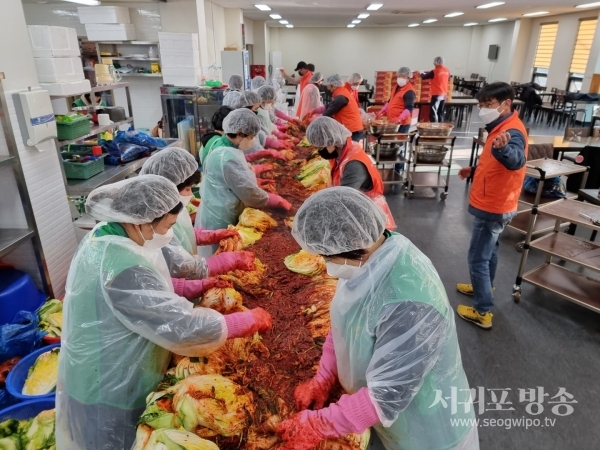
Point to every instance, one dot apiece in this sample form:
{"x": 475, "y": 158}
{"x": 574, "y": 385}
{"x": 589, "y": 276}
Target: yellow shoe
{"x": 464, "y": 288}
{"x": 472, "y": 315}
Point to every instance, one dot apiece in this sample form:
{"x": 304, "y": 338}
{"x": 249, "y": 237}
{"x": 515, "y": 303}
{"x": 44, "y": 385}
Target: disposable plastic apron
{"x": 184, "y": 232}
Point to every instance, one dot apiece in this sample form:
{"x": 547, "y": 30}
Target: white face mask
{"x": 158, "y": 241}
{"x": 343, "y": 271}
{"x": 401, "y": 81}
{"x": 488, "y": 115}
{"x": 354, "y": 88}
{"x": 268, "y": 107}
{"x": 185, "y": 199}
{"x": 246, "y": 144}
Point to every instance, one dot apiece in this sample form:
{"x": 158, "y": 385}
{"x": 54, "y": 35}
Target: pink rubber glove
{"x": 275, "y": 201}
{"x": 283, "y": 116}
{"x": 283, "y": 128}
{"x": 383, "y": 110}
{"x": 317, "y": 390}
{"x": 319, "y": 110}
{"x": 351, "y": 414}
{"x": 209, "y": 237}
{"x": 245, "y": 324}
{"x": 261, "y": 168}
{"x": 279, "y": 123}
{"x": 260, "y": 154}
{"x": 274, "y": 143}
{"x": 192, "y": 289}
{"x": 404, "y": 115}
{"x": 281, "y": 136}
{"x": 228, "y": 261}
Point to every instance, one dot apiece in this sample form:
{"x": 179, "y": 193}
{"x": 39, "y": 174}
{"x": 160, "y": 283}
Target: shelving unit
{"x": 124, "y": 47}
{"x": 391, "y": 174}
{"x": 573, "y": 286}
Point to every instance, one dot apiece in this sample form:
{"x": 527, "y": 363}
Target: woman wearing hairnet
{"x": 310, "y": 102}
{"x": 257, "y": 82}
{"x": 232, "y": 93}
{"x": 400, "y": 106}
{"x": 268, "y": 96}
{"x": 350, "y": 165}
{"x": 353, "y": 84}
{"x": 392, "y": 344}
{"x": 122, "y": 318}
{"x": 317, "y": 79}
{"x": 191, "y": 271}
{"x": 229, "y": 185}
{"x": 344, "y": 108}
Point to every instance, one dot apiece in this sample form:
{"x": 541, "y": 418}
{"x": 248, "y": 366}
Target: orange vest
{"x": 495, "y": 188}
{"x": 352, "y": 91}
{"x": 303, "y": 82}
{"x": 349, "y": 115}
{"x": 396, "y": 106}
{"x": 439, "y": 83}
{"x": 354, "y": 152}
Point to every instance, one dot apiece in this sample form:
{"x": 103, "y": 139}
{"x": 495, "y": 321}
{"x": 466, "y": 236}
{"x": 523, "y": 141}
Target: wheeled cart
{"x": 390, "y": 154}
{"x": 424, "y": 153}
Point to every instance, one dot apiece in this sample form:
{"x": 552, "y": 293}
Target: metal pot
{"x": 431, "y": 154}
{"x": 388, "y": 128}
{"x": 387, "y": 150}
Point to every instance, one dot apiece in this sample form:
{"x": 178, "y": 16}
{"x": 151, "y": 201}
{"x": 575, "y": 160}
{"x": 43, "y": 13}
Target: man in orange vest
{"x": 344, "y": 108}
{"x": 305, "y": 75}
{"x": 353, "y": 84}
{"x": 497, "y": 183}
{"x": 402, "y": 102}
{"x": 440, "y": 77}
{"x": 350, "y": 165}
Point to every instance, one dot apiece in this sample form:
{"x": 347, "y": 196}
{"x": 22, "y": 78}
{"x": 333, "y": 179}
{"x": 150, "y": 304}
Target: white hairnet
{"x": 137, "y": 200}
{"x": 334, "y": 80}
{"x": 257, "y": 82}
{"x": 236, "y": 82}
{"x": 247, "y": 99}
{"x": 242, "y": 121}
{"x": 173, "y": 163}
{"x": 404, "y": 71}
{"x": 267, "y": 93}
{"x": 438, "y": 61}
{"x": 337, "y": 220}
{"x": 325, "y": 131}
{"x": 231, "y": 99}
{"x": 355, "y": 78}
{"x": 310, "y": 99}
{"x": 317, "y": 76}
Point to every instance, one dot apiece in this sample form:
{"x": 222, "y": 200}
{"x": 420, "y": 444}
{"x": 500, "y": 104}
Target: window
{"x": 581, "y": 54}
{"x": 543, "y": 53}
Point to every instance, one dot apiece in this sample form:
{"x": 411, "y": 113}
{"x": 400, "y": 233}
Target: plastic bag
{"x": 553, "y": 187}
{"x": 139, "y": 138}
{"x": 20, "y": 337}
{"x": 123, "y": 152}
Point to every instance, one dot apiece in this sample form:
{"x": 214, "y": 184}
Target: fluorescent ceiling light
{"x": 283, "y": 22}
{"x": 263, "y": 7}
{"x": 470, "y": 24}
{"x": 539, "y": 13}
{"x": 430, "y": 21}
{"x": 275, "y": 16}
{"x": 490, "y": 5}
{"x": 289, "y": 26}
{"x": 499, "y": 19}
{"x": 351, "y": 25}
{"x": 363, "y": 16}
{"x": 412, "y": 25}
{"x": 374, "y": 6}
{"x": 588, "y": 5}
{"x": 455, "y": 14}
{"x": 85, "y": 2}
{"x": 356, "y": 22}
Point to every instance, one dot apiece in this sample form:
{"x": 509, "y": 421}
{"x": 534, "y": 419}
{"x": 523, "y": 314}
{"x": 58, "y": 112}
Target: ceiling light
{"x": 351, "y": 25}
{"x": 455, "y": 14}
{"x": 85, "y": 2}
{"x": 289, "y": 26}
{"x": 430, "y": 21}
{"x": 374, "y": 6}
{"x": 470, "y": 24}
{"x": 539, "y": 13}
{"x": 356, "y": 22}
{"x": 412, "y": 25}
{"x": 588, "y": 5}
{"x": 275, "y": 16}
{"x": 263, "y": 7}
{"x": 490, "y": 5}
{"x": 499, "y": 19}
{"x": 283, "y": 22}
{"x": 363, "y": 16}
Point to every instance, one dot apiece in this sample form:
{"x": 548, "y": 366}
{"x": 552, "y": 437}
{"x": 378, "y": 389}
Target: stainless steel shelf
{"x": 570, "y": 248}
{"x": 543, "y": 224}
{"x": 94, "y": 89}
{"x": 11, "y": 237}
{"x": 149, "y": 75}
{"x": 97, "y": 129}
{"x": 427, "y": 179}
{"x": 6, "y": 160}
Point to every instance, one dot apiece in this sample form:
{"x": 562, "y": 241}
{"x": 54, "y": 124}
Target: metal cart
{"x": 573, "y": 286}
{"x": 525, "y": 220}
{"x": 392, "y": 167}
{"x": 429, "y": 179}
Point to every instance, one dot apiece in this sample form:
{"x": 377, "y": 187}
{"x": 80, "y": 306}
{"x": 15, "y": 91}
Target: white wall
{"x": 233, "y": 27}
{"x": 500, "y": 34}
{"x": 249, "y": 27}
{"x": 215, "y": 31}
{"x": 179, "y": 16}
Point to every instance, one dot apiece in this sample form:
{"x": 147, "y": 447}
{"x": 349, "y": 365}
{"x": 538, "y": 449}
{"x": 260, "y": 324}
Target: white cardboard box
{"x": 110, "y": 32}
{"x": 183, "y": 59}
{"x": 173, "y": 43}
{"x": 75, "y": 88}
{"x": 182, "y": 76}
{"x": 59, "y": 70}
{"x": 53, "y": 42}
{"x": 103, "y": 14}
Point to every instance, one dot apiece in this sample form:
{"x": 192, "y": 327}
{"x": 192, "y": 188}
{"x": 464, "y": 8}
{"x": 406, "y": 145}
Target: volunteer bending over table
{"x": 235, "y": 85}
{"x": 343, "y": 107}
{"x": 122, "y": 319}
{"x": 268, "y": 96}
{"x": 392, "y": 345}
{"x": 229, "y": 184}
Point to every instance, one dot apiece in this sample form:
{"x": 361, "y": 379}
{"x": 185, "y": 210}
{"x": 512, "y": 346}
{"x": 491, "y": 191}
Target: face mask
{"x": 401, "y": 81}
{"x": 246, "y": 144}
{"x": 267, "y": 107}
{"x": 185, "y": 199}
{"x": 354, "y": 88}
{"x": 343, "y": 271}
{"x": 158, "y": 241}
{"x": 488, "y": 115}
{"x": 326, "y": 155}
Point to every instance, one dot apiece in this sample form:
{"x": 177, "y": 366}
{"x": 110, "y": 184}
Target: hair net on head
{"x": 317, "y": 77}
{"x": 236, "y": 82}
{"x": 257, "y": 82}
{"x": 173, "y": 163}
{"x": 137, "y": 200}
{"x": 247, "y": 99}
{"x": 231, "y": 99}
{"x": 355, "y": 78}
{"x": 325, "y": 131}
{"x": 404, "y": 71}
{"x": 266, "y": 93}
{"x": 310, "y": 99}
{"x": 241, "y": 121}
{"x": 334, "y": 80}
{"x": 438, "y": 61}
{"x": 337, "y": 220}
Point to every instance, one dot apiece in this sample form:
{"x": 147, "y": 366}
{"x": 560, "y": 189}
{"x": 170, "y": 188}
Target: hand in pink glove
{"x": 228, "y": 261}
{"x": 281, "y": 136}
{"x": 261, "y": 168}
{"x": 283, "y": 116}
{"x": 317, "y": 111}
{"x": 245, "y": 324}
{"x": 192, "y": 289}
{"x": 275, "y": 201}
{"x": 283, "y": 128}
{"x": 274, "y": 143}
{"x": 383, "y": 111}
{"x": 209, "y": 237}
{"x": 260, "y": 154}
{"x": 404, "y": 115}
{"x": 351, "y": 414}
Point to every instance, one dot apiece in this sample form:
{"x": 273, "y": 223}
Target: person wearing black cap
{"x": 305, "y": 73}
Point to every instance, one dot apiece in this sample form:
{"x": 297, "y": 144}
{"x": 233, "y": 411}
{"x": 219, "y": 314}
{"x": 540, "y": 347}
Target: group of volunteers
{"x": 136, "y": 277}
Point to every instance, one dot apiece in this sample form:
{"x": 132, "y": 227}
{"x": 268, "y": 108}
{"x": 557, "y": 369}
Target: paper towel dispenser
{"x": 36, "y": 117}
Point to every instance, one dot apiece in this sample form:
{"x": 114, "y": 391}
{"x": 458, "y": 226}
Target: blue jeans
{"x": 483, "y": 255}
{"x": 358, "y": 135}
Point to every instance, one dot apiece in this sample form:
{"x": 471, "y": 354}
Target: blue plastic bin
{"x": 26, "y": 410}
{"x": 17, "y": 293}
{"x": 17, "y": 376}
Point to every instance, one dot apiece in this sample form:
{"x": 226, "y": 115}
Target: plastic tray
{"x": 83, "y": 171}
{"x": 73, "y": 130}
{"x": 27, "y": 410}
{"x": 17, "y": 376}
